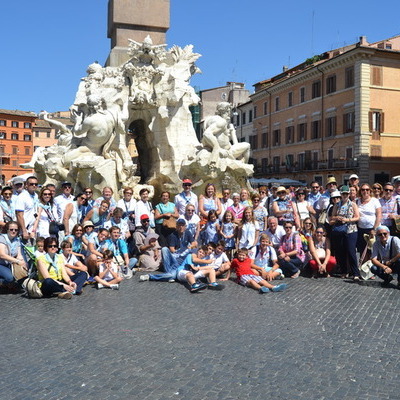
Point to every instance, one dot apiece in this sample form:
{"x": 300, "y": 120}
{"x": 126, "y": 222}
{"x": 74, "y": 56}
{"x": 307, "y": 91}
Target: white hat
{"x": 336, "y": 193}
{"x": 353, "y": 176}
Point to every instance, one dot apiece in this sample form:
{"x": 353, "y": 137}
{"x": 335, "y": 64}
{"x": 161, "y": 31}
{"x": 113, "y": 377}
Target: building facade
{"x": 16, "y": 144}
{"x": 335, "y": 114}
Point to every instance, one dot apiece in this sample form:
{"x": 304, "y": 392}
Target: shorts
{"x": 182, "y": 275}
{"x": 244, "y": 279}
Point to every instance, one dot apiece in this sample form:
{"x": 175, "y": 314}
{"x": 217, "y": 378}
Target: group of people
{"x": 261, "y": 235}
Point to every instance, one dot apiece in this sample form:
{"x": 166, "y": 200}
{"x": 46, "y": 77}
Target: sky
{"x": 46, "y": 45}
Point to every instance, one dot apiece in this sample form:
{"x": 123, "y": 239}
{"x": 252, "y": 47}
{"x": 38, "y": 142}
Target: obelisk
{"x": 135, "y": 19}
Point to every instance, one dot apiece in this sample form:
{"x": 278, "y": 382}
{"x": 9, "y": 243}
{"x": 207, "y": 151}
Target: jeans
{"x": 170, "y": 263}
{"x": 379, "y": 271}
{"x": 132, "y": 262}
{"x": 345, "y": 247}
{"x": 289, "y": 268}
{"x": 50, "y": 286}
{"x": 5, "y": 275}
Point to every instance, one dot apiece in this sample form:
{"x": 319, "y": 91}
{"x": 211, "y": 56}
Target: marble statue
{"x": 146, "y": 100}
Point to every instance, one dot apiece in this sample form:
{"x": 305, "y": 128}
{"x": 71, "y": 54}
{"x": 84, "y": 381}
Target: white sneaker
{"x": 100, "y": 286}
{"x": 171, "y": 280}
{"x": 114, "y": 286}
{"x": 144, "y": 278}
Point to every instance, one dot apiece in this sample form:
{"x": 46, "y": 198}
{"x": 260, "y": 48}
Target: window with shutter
{"x": 376, "y": 75}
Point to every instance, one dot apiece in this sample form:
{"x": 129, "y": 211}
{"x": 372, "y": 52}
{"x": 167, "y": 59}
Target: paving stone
{"x": 320, "y": 339}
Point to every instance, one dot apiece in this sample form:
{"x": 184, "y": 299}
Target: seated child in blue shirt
{"x": 195, "y": 267}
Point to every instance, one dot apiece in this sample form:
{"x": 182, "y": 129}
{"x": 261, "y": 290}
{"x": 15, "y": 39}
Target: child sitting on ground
{"x": 109, "y": 276}
{"x": 195, "y": 267}
{"x": 221, "y": 261}
{"x": 243, "y": 267}
{"x": 267, "y": 259}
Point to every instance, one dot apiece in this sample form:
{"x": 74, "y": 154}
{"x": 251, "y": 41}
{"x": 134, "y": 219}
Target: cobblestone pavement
{"x": 321, "y": 339}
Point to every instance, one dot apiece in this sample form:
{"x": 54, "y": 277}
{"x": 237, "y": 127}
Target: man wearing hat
{"x": 354, "y": 180}
{"x": 180, "y": 244}
{"x": 186, "y": 197}
{"x": 323, "y": 202}
{"x": 147, "y": 245}
{"x": 386, "y": 256}
{"x": 63, "y": 199}
{"x": 18, "y": 187}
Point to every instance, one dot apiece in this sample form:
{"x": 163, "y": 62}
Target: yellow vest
{"x": 55, "y": 268}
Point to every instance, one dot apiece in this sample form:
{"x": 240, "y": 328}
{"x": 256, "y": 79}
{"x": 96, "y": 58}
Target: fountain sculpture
{"x": 147, "y": 100}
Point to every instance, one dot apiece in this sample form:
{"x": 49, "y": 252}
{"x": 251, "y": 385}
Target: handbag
{"x": 321, "y": 254}
{"x": 322, "y": 217}
{"x": 397, "y": 223}
{"x": 169, "y": 223}
{"x": 18, "y": 271}
{"x": 125, "y": 272}
{"x": 32, "y": 288}
{"x": 55, "y": 227}
{"x": 339, "y": 228}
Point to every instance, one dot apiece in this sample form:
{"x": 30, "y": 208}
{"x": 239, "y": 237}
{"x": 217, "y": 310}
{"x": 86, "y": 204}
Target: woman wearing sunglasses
{"x": 53, "y": 276}
{"x": 10, "y": 253}
{"x": 370, "y": 215}
{"x": 7, "y": 209}
{"x": 344, "y": 233}
{"x": 47, "y": 212}
{"x": 322, "y": 262}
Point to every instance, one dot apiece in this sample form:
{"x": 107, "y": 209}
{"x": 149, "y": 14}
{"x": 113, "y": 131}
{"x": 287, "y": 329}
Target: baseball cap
{"x": 18, "y": 180}
{"x": 87, "y": 223}
{"x": 353, "y": 176}
{"x": 187, "y": 181}
{"x": 181, "y": 221}
{"x": 344, "y": 189}
{"x": 144, "y": 216}
{"x": 64, "y": 184}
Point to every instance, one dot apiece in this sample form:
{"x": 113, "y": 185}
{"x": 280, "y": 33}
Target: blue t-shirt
{"x": 119, "y": 248}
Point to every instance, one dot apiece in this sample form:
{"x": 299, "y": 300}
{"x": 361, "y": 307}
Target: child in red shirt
{"x": 244, "y": 268}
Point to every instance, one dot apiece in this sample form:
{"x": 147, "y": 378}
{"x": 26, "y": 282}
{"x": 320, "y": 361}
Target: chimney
{"x": 285, "y": 68}
{"x": 363, "y": 41}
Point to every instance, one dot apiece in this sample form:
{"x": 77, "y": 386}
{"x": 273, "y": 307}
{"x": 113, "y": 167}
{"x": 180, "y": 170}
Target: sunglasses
{"x": 288, "y": 227}
{"x": 88, "y": 192}
{"x": 13, "y": 230}
{"x": 32, "y": 184}
{"x": 145, "y": 220}
{"x": 52, "y": 246}
{"x": 281, "y": 192}
{"x": 46, "y": 194}
{"x": 319, "y": 232}
{"x": 382, "y": 234}
{"x": 388, "y": 190}
{"x": 301, "y": 194}
{"x": 307, "y": 223}
{"x": 314, "y": 187}
{"x": 187, "y": 184}
{"x": 365, "y": 189}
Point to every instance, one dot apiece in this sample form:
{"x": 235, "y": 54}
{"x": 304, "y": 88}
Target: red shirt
{"x": 242, "y": 267}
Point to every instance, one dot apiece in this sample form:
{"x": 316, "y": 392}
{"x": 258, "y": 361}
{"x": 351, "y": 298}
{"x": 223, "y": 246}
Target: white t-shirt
{"x": 248, "y": 234}
{"x": 182, "y": 200}
{"x": 277, "y": 236}
{"x": 368, "y": 213}
{"x": 219, "y": 260}
{"x": 61, "y": 202}
{"x": 28, "y": 204}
